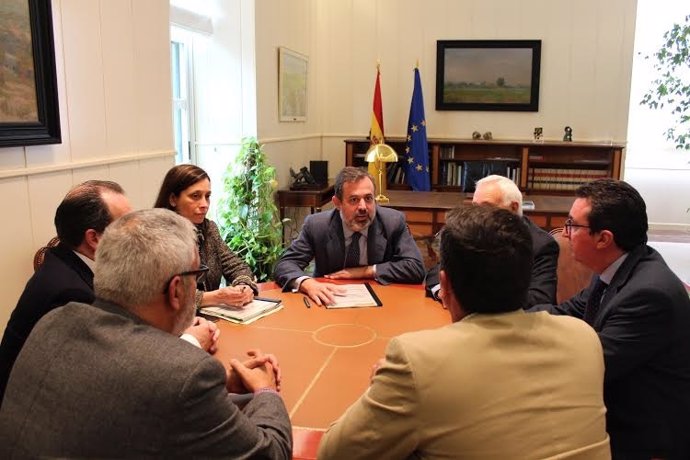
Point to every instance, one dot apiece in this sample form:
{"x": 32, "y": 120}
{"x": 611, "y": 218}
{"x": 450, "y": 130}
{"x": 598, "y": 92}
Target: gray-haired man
{"x": 113, "y": 379}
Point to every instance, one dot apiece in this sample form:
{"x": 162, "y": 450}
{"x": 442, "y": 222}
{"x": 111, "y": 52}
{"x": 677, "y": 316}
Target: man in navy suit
{"x": 502, "y": 192}
{"x": 384, "y": 249}
{"x": 66, "y": 273}
{"x": 641, "y": 311}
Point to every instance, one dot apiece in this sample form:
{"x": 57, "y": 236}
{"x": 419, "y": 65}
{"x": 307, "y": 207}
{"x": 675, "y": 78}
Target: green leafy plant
{"x": 247, "y": 214}
{"x": 672, "y": 85}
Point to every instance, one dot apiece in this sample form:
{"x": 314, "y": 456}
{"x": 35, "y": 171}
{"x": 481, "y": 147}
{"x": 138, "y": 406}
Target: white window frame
{"x": 183, "y": 105}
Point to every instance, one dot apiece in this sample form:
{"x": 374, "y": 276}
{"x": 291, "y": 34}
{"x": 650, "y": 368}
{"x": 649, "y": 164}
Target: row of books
{"x": 562, "y": 178}
{"x": 465, "y": 174}
{"x": 396, "y": 173}
{"x": 446, "y": 152}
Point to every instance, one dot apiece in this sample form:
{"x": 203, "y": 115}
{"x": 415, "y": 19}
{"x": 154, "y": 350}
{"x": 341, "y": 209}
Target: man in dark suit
{"x": 641, "y": 311}
{"x": 502, "y": 192}
{"x": 113, "y": 379}
{"x": 66, "y": 272}
{"x": 384, "y": 249}
{"x": 497, "y": 383}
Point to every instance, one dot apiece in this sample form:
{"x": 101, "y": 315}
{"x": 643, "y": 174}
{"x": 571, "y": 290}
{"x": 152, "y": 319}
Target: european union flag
{"x": 417, "y": 150}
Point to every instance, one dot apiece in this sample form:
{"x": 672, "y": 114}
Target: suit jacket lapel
{"x": 376, "y": 242}
{"x": 73, "y": 261}
{"x": 335, "y": 244}
{"x": 620, "y": 278}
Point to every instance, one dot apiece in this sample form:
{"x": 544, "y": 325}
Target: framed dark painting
{"x": 488, "y": 75}
{"x": 29, "y": 113}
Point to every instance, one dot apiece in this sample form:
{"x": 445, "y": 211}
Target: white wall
{"x": 293, "y": 25}
{"x": 585, "y": 71}
{"x": 113, "y": 72}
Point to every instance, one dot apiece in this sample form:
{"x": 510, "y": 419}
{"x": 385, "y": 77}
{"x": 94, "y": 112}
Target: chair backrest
{"x": 572, "y": 275}
{"x": 40, "y": 255}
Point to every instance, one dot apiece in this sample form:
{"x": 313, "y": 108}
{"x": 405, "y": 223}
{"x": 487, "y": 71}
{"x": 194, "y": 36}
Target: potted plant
{"x": 247, "y": 214}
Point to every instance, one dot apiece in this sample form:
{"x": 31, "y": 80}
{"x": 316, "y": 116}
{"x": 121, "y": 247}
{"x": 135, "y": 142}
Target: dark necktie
{"x": 352, "y": 258}
{"x": 594, "y": 300}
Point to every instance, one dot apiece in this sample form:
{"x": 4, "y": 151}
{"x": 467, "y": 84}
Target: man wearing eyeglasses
{"x": 502, "y": 192}
{"x": 112, "y": 379}
{"x": 66, "y": 274}
{"x": 358, "y": 239}
{"x": 497, "y": 383}
{"x": 641, "y": 311}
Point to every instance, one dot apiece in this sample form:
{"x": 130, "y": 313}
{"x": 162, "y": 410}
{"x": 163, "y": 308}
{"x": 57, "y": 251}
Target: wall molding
{"x": 26, "y": 172}
{"x": 669, "y": 227}
{"x": 190, "y": 20}
{"x": 299, "y": 137}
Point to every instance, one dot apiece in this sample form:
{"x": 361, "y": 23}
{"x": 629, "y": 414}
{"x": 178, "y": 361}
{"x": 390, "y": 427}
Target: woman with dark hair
{"x": 186, "y": 189}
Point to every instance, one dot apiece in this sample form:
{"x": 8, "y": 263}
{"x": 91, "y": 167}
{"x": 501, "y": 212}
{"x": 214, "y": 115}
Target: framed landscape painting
{"x": 488, "y": 75}
{"x": 292, "y": 85}
{"x": 29, "y": 113}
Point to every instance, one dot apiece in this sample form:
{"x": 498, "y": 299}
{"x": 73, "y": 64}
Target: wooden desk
{"x": 326, "y": 355}
{"x": 426, "y": 211}
{"x": 313, "y": 199}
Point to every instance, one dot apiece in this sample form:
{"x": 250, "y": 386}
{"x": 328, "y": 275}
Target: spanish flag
{"x": 376, "y": 131}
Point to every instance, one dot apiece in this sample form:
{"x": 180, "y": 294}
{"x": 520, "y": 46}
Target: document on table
{"x": 257, "y": 308}
{"x": 356, "y": 295}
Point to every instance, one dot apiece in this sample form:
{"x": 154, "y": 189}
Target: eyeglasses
{"x": 569, "y": 225}
{"x": 200, "y": 274}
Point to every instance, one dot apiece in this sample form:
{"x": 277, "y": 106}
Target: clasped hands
{"x": 206, "y": 333}
{"x": 258, "y": 372}
{"x": 324, "y": 293}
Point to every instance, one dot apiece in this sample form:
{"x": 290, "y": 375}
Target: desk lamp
{"x": 380, "y": 154}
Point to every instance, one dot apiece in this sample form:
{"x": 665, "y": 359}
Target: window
{"x": 182, "y": 90}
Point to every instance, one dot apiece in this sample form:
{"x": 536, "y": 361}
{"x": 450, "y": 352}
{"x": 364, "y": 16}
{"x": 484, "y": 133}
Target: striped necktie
{"x": 352, "y": 257}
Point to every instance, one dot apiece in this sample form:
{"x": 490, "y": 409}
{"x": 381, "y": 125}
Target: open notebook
{"x": 257, "y": 308}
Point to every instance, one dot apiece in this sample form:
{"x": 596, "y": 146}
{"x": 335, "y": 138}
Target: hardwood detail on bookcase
{"x": 573, "y": 161}
{"x": 549, "y": 167}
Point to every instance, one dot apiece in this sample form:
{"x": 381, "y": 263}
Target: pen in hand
{"x": 306, "y": 302}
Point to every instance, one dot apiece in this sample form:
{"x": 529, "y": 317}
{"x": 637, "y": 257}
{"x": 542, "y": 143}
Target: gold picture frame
{"x": 293, "y": 69}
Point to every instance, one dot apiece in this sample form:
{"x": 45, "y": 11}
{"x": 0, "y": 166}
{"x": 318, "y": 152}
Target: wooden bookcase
{"x": 541, "y": 169}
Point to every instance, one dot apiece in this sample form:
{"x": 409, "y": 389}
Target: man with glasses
{"x": 497, "y": 383}
{"x": 502, "y": 192}
{"x": 66, "y": 274}
{"x": 358, "y": 239}
{"x": 641, "y": 311}
{"x": 112, "y": 379}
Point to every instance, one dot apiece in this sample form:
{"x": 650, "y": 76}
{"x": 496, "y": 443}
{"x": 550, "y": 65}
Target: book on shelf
{"x": 257, "y": 308}
{"x": 447, "y": 152}
{"x": 562, "y": 178}
{"x": 474, "y": 170}
{"x": 455, "y": 172}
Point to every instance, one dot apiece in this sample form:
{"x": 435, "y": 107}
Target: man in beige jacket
{"x": 498, "y": 382}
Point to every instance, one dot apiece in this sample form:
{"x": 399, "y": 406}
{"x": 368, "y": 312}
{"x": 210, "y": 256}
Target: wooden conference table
{"x": 326, "y": 355}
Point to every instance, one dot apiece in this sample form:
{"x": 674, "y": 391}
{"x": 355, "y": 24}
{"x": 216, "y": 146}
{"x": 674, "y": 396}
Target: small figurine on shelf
{"x": 302, "y": 180}
{"x": 488, "y": 136}
{"x": 476, "y": 135}
{"x": 538, "y": 132}
{"x": 568, "y": 136}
